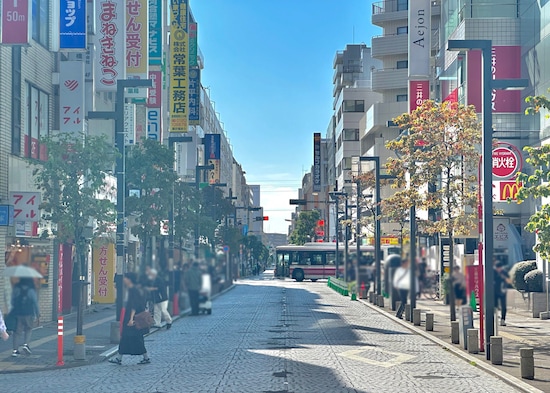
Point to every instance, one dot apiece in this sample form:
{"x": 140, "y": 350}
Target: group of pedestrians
{"x": 402, "y": 283}
{"x": 151, "y": 288}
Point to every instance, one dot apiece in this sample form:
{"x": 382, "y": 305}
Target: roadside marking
{"x": 513, "y": 337}
{"x": 357, "y": 354}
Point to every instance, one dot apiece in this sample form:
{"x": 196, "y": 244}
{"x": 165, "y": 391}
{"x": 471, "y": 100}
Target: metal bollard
{"x": 496, "y": 350}
{"x": 371, "y": 297}
{"x": 455, "y": 332}
{"x": 115, "y": 332}
{"x": 473, "y": 340}
{"x": 380, "y": 300}
{"x": 408, "y": 316}
{"x": 527, "y": 363}
{"x": 60, "y": 361}
{"x": 416, "y": 317}
{"x": 429, "y": 321}
{"x": 397, "y": 305}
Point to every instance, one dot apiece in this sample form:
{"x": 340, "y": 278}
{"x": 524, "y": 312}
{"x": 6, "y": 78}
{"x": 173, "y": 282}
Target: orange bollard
{"x": 60, "y": 361}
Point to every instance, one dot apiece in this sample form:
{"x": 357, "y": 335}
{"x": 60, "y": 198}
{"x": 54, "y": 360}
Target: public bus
{"x": 314, "y": 261}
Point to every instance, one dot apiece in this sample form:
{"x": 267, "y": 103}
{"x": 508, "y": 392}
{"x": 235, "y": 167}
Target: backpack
{"x": 23, "y": 304}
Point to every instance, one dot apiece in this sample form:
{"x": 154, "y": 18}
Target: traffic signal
{"x": 264, "y": 218}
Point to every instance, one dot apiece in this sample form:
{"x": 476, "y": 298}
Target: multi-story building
{"x": 353, "y": 95}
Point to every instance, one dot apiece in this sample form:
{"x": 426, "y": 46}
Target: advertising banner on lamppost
{"x": 179, "y": 66}
{"x": 110, "y": 43}
{"x": 72, "y": 25}
{"x": 103, "y": 260}
{"x": 419, "y": 29}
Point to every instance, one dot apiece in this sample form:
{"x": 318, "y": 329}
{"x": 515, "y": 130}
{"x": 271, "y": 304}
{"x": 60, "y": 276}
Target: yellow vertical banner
{"x": 103, "y": 258}
{"x": 179, "y": 66}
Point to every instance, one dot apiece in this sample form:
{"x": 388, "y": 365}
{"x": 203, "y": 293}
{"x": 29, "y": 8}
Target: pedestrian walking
{"x": 131, "y": 339}
{"x": 193, "y": 282}
{"x": 459, "y": 286}
{"x": 25, "y": 310}
{"x": 402, "y": 282}
{"x": 3, "y": 330}
{"x": 502, "y": 279}
{"x": 159, "y": 293}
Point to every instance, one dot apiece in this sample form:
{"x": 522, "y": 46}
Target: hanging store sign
{"x": 179, "y": 67}
{"x": 16, "y": 26}
{"x": 71, "y": 96}
{"x": 72, "y": 25}
{"x": 155, "y": 32}
{"x": 110, "y": 44}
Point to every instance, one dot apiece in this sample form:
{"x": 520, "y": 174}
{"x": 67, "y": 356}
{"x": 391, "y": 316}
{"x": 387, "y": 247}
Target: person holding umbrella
{"x": 25, "y": 310}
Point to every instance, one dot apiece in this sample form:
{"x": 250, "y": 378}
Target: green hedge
{"x": 535, "y": 281}
{"x": 518, "y": 272}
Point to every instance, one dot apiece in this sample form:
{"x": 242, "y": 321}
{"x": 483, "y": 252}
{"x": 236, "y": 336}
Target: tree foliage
{"x": 305, "y": 227}
{"x": 537, "y": 184}
{"x": 70, "y": 180}
{"x": 149, "y": 169}
{"x": 440, "y": 147}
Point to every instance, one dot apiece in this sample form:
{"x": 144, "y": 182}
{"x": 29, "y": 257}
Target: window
{"x": 402, "y": 64}
{"x": 402, "y": 5}
{"x": 16, "y": 100}
{"x": 40, "y": 21}
{"x": 350, "y": 134}
{"x": 37, "y": 121}
{"x": 403, "y": 30}
{"x": 402, "y": 97}
{"x": 354, "y": 106}
{"x": 346, "y": 163}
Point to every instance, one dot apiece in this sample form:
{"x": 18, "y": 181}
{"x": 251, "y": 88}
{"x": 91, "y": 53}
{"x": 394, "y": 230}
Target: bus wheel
{"x": 299, "y": 275}
{"x": 313, "y": 279}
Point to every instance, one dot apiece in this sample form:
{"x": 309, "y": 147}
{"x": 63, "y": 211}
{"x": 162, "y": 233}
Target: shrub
{"x": 518, "y": 272}
{"x": 534, "y": 281}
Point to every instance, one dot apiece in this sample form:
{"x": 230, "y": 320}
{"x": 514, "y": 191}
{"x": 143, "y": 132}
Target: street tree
{"x": 75, "y": 195}
{"x": 150, "y": 172}
{"x": 305, "y": 227}
{"x": 440, "y": 146}
{"x": 536, "y": 185}
{"x": 396, "y": 209}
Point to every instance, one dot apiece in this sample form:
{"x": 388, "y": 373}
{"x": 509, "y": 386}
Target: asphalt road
{"x": 269, "y": 336}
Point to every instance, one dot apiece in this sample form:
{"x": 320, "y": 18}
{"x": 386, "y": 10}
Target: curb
{"x": 509, "y": 379}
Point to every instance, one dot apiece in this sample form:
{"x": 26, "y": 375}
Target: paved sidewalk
{"x": 521, "y": 331}
{"x": 44, "y": 356}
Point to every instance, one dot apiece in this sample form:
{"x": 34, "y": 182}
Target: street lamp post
{"x": 118, "y": 116}
{"x": 486, "y": 256}
{"x": 335, "y": 195}
{"x": 198, "y": 170}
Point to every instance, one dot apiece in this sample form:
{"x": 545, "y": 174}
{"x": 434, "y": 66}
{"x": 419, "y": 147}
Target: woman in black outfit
{"x": 131, "y": 340}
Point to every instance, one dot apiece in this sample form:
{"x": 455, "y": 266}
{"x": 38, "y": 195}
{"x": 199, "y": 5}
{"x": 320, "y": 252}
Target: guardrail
{"x": 342, "y": 287}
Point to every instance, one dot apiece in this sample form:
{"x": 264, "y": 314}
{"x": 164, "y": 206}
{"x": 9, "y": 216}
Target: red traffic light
{"x": 266, "y": 218}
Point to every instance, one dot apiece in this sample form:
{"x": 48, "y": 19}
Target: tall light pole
{"x": 486, "y": 256}
{"x": 120, "y": 169}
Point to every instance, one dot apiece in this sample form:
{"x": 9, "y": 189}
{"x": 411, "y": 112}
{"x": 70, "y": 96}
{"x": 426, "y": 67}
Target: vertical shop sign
{"x": 71, "y": 97}
{"x": 110, "y": 44}
{"x": 194, "y": 95}
{"x": 317, "y": 162}
{"x": 16, "y": 22}
{"x": 179, "y": 67}
{"x": 72, "y": 25}
{"x": 103, "y": 273}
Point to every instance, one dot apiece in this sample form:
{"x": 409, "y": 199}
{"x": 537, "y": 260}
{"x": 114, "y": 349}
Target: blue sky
{"x": 268, "y": 66}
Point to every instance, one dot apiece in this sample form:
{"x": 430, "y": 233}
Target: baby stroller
{"x": 205, "y": 301}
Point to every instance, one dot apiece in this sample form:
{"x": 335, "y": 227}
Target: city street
{"x": 267, "y": 335}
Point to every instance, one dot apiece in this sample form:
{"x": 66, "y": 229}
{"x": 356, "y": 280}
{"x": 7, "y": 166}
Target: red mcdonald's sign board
{"x": 509, "y": 190}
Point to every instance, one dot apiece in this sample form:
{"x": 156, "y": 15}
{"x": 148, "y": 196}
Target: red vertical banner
{"x": 474, "y": 281}
{"x": 419, "y": 91}
{"x": 60, "y": 280}
{"x": 15, "y": 22}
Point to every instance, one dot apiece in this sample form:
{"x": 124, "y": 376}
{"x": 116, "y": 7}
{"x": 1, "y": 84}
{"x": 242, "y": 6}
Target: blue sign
{"x": 194, "y": 95}
{"x": 155, "y": 32}
{"x": 212, "y": 146}
{"x": 6, "y": 215}
{"x": 72, "y": 24}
